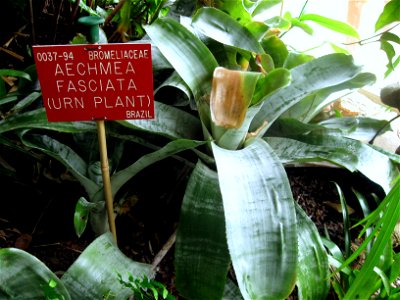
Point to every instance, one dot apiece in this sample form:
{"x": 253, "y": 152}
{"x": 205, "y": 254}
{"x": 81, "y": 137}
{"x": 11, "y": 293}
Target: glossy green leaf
{"x": 273, "y": 81}
{"x": 183, "y": 49}
{"x": 279, "y": 23}
{"x": 324, "y": 72}
{"x": 235, "y": 9}
{"x": 24, "y": 277}
{"x": 295, "y": 59}
{"x": 82, "y": 211}
{"x": 313, "y": 268}
{"x": 260, "y": 220}
{"x": 220, "y": 26}
{"x": 201, "y": 252}
{"x": 165, "y": 123}
{"x": 259, "y": 8}
{"x": 390, "y": 14}
{"x": 15, "y": 73}
{"x": 275, "y": 47}
{"x": 94, "y": 274}
{"x": 331, "y": 24}
{"x": 302, "y": 25}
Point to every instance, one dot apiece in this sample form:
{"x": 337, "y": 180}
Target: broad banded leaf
{"x": 390, "y": 14}
{"x": 185, "y": 52}
{"x": 324, "y": 72}
{"x": 310, "y": 106}
{"x": 165, "y": 123}
{"x": 313, "y": 268}
{"x": 232, "y": 291}
{"x": 201, "y": 252}
{"x": 37, "y": 119}
{"x": 94, "y": 274}
{"x": 178, "y": 92}
{"x": 260, "y": 220}
{"x": 63, "y": 153}
{"x": 331, "y": 24}
{"x": 24, "y": 277}
{"x": 292, "y": 151}
{"x": 220, "y": 26}
{"x": 121, "y": 177}
{"x": 376, "y": 166}
{"x": 358, "y": 128}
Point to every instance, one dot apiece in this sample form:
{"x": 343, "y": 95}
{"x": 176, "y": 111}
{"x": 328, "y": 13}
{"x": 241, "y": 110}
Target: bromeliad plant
{"x": 255, "y": 101}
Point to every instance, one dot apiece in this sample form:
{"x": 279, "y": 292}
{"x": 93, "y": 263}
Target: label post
{"x": 96, "y": 82}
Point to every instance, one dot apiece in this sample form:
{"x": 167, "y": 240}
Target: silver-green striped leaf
{"x": 23, "y": 277}
{"x": 260, "y": 220}
{"x": 190, "y": 58}
{"x": 201, "y": 252}
{"x": 94, "y": 275}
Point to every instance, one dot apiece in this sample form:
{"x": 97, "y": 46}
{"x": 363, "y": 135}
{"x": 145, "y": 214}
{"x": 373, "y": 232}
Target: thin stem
{"x": 380, "y": 129}
{"x": 361, "y": 42}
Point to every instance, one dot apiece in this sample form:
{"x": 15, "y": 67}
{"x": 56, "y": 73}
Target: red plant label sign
{"x": 99, "y": 81}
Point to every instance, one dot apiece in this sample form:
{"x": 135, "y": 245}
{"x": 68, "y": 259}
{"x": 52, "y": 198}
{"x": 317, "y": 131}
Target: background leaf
{"x": 332, "y": 24}
{"x": 390, "y": 14}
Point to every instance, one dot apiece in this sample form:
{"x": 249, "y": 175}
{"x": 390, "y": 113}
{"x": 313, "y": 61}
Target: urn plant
{"x": 244, "y": 103}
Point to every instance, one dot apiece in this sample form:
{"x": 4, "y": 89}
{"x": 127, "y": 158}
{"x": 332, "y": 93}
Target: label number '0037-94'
{"x": 54, "y": 56}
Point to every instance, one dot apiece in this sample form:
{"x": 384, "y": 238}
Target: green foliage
{"x": 91, "y": 276}
{"x": 380, "y": 269}
{"x": 145, "y": 288}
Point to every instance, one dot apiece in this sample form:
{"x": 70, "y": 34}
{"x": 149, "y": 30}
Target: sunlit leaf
{"x": 390, "y": 14}
{"x": 223, "y": 28}
{"x": 275, "y": 47}
{"x": 331, "y": 24}
{"x": 182, "y": 49}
